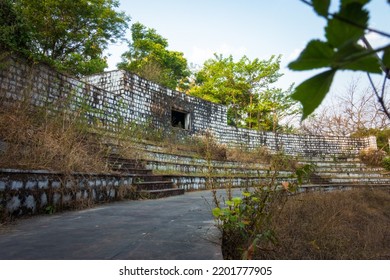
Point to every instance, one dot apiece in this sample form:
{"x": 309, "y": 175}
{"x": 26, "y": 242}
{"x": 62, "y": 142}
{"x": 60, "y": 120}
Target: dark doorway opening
{"x": 180, "y": 119}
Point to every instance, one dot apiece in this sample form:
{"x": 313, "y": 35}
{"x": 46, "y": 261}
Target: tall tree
{"x": 73, "y": 34}
{"x": 149, "y": 57}
{"x": 246, "y": 88}
{"x": 14, "y": 33}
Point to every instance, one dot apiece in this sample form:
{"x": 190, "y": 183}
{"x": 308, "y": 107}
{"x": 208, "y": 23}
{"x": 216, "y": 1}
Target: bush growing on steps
{"x": 372, "y": 157}
{"x": 246, "y": 222}
{"x": 386, "y": 163}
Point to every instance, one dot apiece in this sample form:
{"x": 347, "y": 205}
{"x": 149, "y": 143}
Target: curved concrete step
{"x": 147, "y": 185}
{"x": 155, "y": 194}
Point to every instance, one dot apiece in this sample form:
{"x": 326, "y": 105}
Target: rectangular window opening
{"x": 180, "y": 119}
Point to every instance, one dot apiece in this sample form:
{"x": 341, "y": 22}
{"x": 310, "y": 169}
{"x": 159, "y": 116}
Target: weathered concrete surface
{"x": 177, "y": 228}
{"x": 117, "y": 96}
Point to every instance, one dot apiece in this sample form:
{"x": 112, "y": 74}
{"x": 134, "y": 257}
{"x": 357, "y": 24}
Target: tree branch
{"x": 346, "y": 20}
{"x": 380, "y": 97}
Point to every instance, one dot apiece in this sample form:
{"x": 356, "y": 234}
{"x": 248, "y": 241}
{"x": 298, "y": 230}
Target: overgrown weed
{"x": 372, "y": 157}
{"x": 36, "y": 138}
{"x": 208, "y": 147}
{"x": 351, "y": 224}
{"x": 246, "y": 222}
{"x": 257, "y": 155}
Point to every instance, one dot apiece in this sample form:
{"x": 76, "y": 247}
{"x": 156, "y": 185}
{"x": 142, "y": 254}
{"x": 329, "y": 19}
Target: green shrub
{"x": 382, "y": 137}
{"x": 386, "y": 163}
{"x": 304, "y": 172}
{"x": 246, "y": 222}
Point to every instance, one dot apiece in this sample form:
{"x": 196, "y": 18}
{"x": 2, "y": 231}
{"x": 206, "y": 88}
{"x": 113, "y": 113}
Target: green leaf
{"x": 355, "y": 57}
{"x": 246, "y": 194}
{"x": 321, "y": 7}
{"x": 368, "y": 64}
{"x": 217, "y": 212}
{"x": 237, "y": 200}
{"x": 386, "y": 58}
{"x": 312, "y": 91}
{"x": 339, "y": 32}
{"x": 317, "y": 54}
{"x": 347, "y": 2}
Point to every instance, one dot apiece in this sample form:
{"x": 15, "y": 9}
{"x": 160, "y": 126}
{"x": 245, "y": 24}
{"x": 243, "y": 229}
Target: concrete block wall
{"x": 40, "y": 85}
{"x": 29, "y": 192}
{"x": 144, "y": 101}
{"x": 294, "y": 144}
{"x": 117, "y": 96}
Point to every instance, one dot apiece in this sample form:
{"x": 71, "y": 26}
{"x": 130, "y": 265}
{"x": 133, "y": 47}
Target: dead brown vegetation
{"x": 351, "y": 224}
{"x": 257, "y": 155}
{"x": 372, "y": 157}
{"x": 35, "y": 138}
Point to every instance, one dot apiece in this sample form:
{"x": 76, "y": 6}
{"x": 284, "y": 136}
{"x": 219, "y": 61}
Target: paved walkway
{"x": 174, "y": 228}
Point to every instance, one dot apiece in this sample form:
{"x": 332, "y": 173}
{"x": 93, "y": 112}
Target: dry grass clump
{"x": 336, "y": 225}
{"x": 372, "y": 157}
{"x": 36, "y": 139}
{"x": 207, "y": 147}
{"x": 257, "y": 155}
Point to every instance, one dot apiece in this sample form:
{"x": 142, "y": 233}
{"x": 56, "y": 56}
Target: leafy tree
{"x": 73, "y": 34}
{"x": 245, "y": 87}
{"x": 149, "y": 57}
{"x": 340, "y": 51}
{"x": 14, "y": 34}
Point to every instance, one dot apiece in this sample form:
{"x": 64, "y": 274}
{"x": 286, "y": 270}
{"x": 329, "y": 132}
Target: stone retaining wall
{"x": 30, "y": 192}
{"x": 117, "y": 97}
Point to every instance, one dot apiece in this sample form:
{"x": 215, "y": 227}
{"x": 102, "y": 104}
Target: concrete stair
{"x": 347, "y": 172}
{"x": 146, "y": 184}
{"x": 330, "y": 173}
{"x": 190, "y": 172}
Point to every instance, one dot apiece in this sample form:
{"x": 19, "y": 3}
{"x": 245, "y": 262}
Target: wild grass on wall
{"x": 37, "y": 138}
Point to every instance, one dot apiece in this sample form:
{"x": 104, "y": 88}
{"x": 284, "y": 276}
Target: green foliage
{"x": 382, "y": 137}
{"x": 50, "y": 209}
{"x": 340, "y": 51}
{"x": 317, "y": 87}
{"x": 386, "y": 58}
{"x": 321, "y": 6}
{"x": 73, "y": 34}
{"x": 386, "y": 163}
{"x": 245, "y": 87}
{"x": 246, "y": 221}
{"x": 304, "y": 172}
{"x": 14, "y": 34}
{"x": 149, "y": 57}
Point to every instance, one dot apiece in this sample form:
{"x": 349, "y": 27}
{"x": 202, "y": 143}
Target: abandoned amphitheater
{"x": 157, "y": 171}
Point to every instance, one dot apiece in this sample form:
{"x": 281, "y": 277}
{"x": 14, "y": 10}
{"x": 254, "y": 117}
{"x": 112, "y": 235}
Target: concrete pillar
{"x": 372, "y": 143}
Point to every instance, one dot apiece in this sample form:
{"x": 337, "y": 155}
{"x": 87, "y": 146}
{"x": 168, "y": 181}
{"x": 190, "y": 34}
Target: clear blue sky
{"x": 257, "y": 29}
